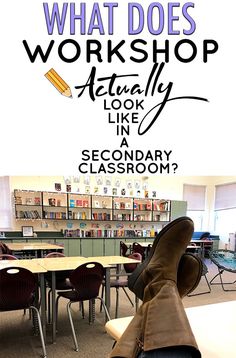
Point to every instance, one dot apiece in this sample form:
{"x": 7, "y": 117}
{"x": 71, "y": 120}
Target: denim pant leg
{"x": 167, "y": 353}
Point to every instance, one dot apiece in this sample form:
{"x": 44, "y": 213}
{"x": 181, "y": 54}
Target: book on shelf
{"x": 117, "y": 205}
{"x": 52, "y": 201}
{"x": 28, "y": 201}
{"x": 37, "y": 200}
{"x": 85, "y": 203}
{"x": 72, "y": 203}
{"x": 104, "y": 204}
{"x": 18, "y": 200}
{"x": 95, "y": 216}
{"x": 79, "y": 202}
{"x": 96, "y": 204}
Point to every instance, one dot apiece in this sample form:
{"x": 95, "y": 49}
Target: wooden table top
{"x": 64, "y": 263}
{"x": 60, "y": 263}
{"x": 145, "y": 244}
{"x": 71, "y": 262}
{"x": 19, "y": 246}
{"x": 112, "y": 260}
{"x": 202, "y": 241}
{"x": 30, "y": 265}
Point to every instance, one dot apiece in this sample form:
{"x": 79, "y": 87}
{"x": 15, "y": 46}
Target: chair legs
{"x": 91, "y": 302}
{"x": 105, "y": 308}
{"x": 202, "y": 293}
{"x": 128, "y": 296}
{"x": 40, "y": 330}
{"x": 91, "y": 311}
{"x": 49, "y": 305}
{"x": 72, "y": 326}
{"x": 117, "y": 299}
{"x": 220, "y": 273}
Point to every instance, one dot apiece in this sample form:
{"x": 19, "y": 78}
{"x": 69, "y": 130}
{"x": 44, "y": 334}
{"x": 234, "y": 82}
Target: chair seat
{"x": 12, "y": 305}
{"x": 119, "y": 283}
{"x": 70, "y": 295}
{"x": 64, "y": 284}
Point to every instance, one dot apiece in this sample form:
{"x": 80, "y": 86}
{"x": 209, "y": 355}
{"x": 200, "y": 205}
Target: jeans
{"x": 172, "y": 352}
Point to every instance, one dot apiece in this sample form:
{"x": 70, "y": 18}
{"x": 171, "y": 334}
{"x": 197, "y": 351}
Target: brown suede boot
{"x": 163, "y": 261}
{"x": 161, "y": 322}
{"x": 189, "y": 273}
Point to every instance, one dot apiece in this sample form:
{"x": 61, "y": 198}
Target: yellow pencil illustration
{"x": 58, "y": 82}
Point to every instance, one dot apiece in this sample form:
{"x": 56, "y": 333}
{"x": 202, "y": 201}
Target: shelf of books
{"x": 79, "y": 207}
{"x": 123, "y": 209}
{"x": 161, "y": 210}
{"x": 31, "y": 205}
{"x": 101, "y": 208}
{"x": 28, "y": 204}
{"x": 142, "y": 209}
{"x": 54, "y": 205}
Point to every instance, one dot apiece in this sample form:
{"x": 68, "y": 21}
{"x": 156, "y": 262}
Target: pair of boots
{"x": 167, "y": 275}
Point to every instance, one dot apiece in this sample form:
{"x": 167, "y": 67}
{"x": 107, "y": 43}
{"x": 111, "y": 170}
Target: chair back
{"x": 8, "y": 257}
{"x": 139, "y": 248}
{"x": 60, "y": 275}
{"x": 148, "y": 249}
{"x": 54, "y": 254}
{"x": 204, "y": 268}
{"x": 4, "y": 249}
{"x": 17, "y": 286}
{"x": 87, "y": 279}
{"x": 129, "y": 268}
{"x": 123, "y": 248}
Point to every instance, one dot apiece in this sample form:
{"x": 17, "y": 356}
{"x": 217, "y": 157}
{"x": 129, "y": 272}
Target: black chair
{"x": 8, "y": 257}
{"x": 86, "y": 281}
{"x": 11, "y": 257}
{"x": 204, "y": 275}
{"x": 122, "y": 282}
{"x": 139, "y": 248}
{"x": 123, "y": 249}
{"x": 4, "y": 249}
{"x": 62, "y": 280}
{"x": 149, "y": 247}
{"x": 17, "y": 287}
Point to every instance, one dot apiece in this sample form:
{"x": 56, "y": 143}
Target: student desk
{"x": 190, "y": 246}
{"x": 70, "y": 263}
{"x": 202, "y": 244}
{"x": 38, "y": 247}
{"x": 213, "y": 325}
{"x": 144, "y": 244}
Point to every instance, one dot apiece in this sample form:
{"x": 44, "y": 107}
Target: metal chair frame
{"x": 17, "y": 278}
{"x": 85, "y": 273}
{"x": 221, "y": 268}
{"x": 117, "y": 283}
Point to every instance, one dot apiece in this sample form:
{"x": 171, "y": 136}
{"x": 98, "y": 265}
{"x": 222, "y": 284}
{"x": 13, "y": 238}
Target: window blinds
{"x": 195, "y": 196}
{"x": 5, "y": 203}
{"x": 225, "y": 196}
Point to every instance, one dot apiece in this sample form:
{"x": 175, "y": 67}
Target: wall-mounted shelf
{"x": 36, "y": 205}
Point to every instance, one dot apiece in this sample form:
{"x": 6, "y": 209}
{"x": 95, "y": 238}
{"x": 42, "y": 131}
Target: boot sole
{"x": 134, "y": 278}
